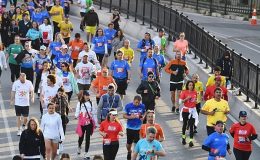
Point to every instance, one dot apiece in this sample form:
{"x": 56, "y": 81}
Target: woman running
{"x": 35, "y": 36}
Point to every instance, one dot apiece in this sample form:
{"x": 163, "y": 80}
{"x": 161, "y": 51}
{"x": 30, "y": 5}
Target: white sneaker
{"x": 19, "y": 132}
{"x": 86, "y": 156}
{"x": 23, "y": 127}
{"x": 79, "y": 150}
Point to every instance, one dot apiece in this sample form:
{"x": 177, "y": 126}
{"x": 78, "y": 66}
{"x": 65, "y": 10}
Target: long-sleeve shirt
{"x": 180, "y": 67}
{"x": 91, "y": 110}
{"x": 51, "y": 126}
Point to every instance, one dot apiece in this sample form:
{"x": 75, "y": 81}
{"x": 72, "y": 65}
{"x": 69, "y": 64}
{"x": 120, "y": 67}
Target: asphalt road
{"x": 169, "y": 121}
{"x": 238, "y": 35}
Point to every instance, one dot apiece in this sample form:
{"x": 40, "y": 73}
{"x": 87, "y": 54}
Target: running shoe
{"x": 183, "y": 141}
{"x": 195, "y": 131}
{"x": 23, "y": 127}
{"x": 191, "y": 144}
{"x": 19, "y": 132}
{"x": 177, "y": 110}
{"x": 173, "y": 109}
{"x": 86, "y": 156}
{"x": 79, "y": 150}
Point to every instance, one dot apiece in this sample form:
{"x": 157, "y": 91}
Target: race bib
{"x": 147, "y": 47}
{"x": 57, "y": 48}
{"x": 105, "y": 88}
{"x": 109, "y": 41}
{"x": 120, "y": 70}
{"x": 149, "y": 69}
{"x": 99, "y": 44}
{"x": 107, "y": 141}
{"x": 77, "y": 48}
{"x": 39, "y": 66}
{"x": 241, "y": 139}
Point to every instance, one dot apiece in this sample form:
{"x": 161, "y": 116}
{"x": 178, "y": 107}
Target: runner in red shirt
{"x": 189, "y": 113}
{"x": 209, "y": 93}
{"x": 76, "y": 46}
{"x": 110, "y": 129}
{"x": 243, "y": 133}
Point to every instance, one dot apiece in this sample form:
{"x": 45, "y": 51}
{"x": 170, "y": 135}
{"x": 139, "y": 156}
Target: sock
{"x": 183, "y": 136}
{"x": 191, "y": 139}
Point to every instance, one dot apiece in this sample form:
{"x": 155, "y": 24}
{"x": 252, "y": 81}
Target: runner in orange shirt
{"x": 76, "y": 46}
{"x": 181, "y": 45}
{"x": 150, "y": 117}
{"x": 100, "y": 84}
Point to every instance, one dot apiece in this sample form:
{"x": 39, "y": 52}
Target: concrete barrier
{"x": 136, "y": 30}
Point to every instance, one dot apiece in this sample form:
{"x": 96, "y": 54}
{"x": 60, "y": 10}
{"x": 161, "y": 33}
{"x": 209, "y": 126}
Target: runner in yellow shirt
{"x": 128, "y": 52}
{"x": 57, "y": 14}
{"x": 66, "y": 29}
{"x": 216, "y": 109}
{"x": 211, "y": 79}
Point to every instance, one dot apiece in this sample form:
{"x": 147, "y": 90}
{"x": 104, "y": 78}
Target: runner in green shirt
{"x": 160, "y": 40}
{"x": 12, "y": 51}
{"x": 89, "y": 3}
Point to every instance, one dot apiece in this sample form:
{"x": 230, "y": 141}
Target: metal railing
{"x": 220, "y": 6}
{"x": 204, "y": 46}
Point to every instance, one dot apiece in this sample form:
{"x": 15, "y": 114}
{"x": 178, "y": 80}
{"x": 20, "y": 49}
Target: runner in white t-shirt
{"x": 84, "y": 70}
{"x": 92, "y": 57}
{"x": 22, "y": 89}
{"x": 48, "y": 92}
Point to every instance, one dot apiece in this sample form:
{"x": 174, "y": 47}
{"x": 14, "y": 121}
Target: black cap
{"x": 150, "y": 73}
{"x": 242, "y": 114}
{"x": 219, "y": 122}
{"x": 86, "y": 93}
{"x": 161, "y": 30}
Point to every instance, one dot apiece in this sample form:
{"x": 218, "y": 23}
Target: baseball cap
{"x": 43, "y": 48}
{"x": 91, "y": 8}
{"x": 86, "y": 93}
{"x": 114, "y": 112}
{"x": 218, "y": 78}
{"x": 161, "y": 30}
{"x": 64, "y": 46}
{"x": 242, "y": 114}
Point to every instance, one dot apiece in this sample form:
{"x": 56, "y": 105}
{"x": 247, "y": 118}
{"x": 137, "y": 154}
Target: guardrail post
{"x": 240, "y": 73}
{"x": 213, "y": 48}
{"x": 100, "y": 4}
{"x": 143, "y": 12}
{"x": 164, "y": 8}
{"x": 232, "y": 57}
{"x": 120, "y": 4}
{"x": 247, "y": 84}
{"x": 136, "y": 6}
{"x": 151, "y": 14}
{"x": 201, "y": 45}
{"x": 210, "y": 7}
{"x": 175, "y": 23}
{"x": 170, "y": 20}
{"x": 158, "y": 16}
{"x": 128, "y": 5}
{"x": 219, "y": 48}
{"x": 256, "y": 88}
{"x": 171, "y": 2}
{"x": 251, "y": 9}
{"x": 110, "y": 6}
{"x": 197, "y": 5}
{"x": 225, "y": 9}
{"x": 183, "y": 3}
{"x": 207, "y": 48}
{"x": 195, "y": 52}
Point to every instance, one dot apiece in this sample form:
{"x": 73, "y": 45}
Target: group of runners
{"x": 45, "y": 62}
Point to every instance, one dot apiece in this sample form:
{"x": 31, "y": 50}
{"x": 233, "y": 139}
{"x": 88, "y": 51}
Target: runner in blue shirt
{"x": 37, "y": 16}
{"x": 144, "y": 45}
{"x": 99, "y": 45}
{"x": 148, "y": 64}
{"x": 44, "y": 12}
{"x": 55, "y": 46}
{"x": 148, "y": 148}
{"x": 217, "y": 143}
{"x": 62, "y": 57}
{"x": 134, "y": 113}
{"x": 110, "y": 33}
{"x": 121, "y": 73}
{"x": 160, "y": 59}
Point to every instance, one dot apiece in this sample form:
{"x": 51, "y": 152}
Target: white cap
{"x": 113, "y": 112}
{"x": 43, "y": 48}
{"x": 64, "y": 46}
{"x": 91, "y": 8}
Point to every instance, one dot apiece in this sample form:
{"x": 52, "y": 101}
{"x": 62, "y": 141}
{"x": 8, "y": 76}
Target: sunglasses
{"x": 150, "y": 76}
{"x": 114, "y": 114}
{"x": 63, "y": 66}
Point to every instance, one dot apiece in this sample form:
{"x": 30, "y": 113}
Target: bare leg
{"x": 54, "y": 150}
{"x": 48, "y": 149}
{"x": 18, "y": 122}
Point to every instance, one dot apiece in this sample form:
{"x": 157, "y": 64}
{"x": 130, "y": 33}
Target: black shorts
{"x": 84, "y": 87}
{"x": 121, "y": 86}
{"x": 82, "y": 14}
{"x": 132, "y": 136}
{"x": 176, "y": 86}
{"x": 22, "y": 110}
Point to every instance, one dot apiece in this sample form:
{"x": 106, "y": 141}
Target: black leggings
{"x": 56, "y": 29}
{"x": 186, "y": 121}
{"x": 100, "y": 57}
{"x": 85, "y": 129}
{"x": 241, "y": 155}
{"x": 15, "y": 71}
{"x": 110, "y": 151}
{"x": 29, "y": 73}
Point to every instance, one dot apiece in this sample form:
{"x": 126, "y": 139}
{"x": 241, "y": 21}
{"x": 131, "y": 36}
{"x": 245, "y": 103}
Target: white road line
{"x": 257, "y": 142}
{"x": 248, "y": 42}
{"x": 7, "y": 128}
